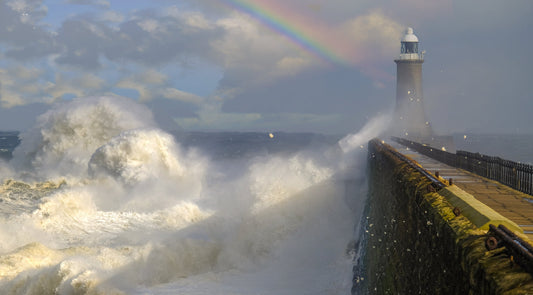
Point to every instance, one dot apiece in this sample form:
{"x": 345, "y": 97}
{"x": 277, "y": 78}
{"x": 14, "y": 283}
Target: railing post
{"x": 485, "y": 166}
{"x": 498, "y": 167}
{"x": 530, "y": 177}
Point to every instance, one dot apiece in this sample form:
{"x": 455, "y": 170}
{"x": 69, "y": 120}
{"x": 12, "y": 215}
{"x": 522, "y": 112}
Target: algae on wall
{"x": 416, "y": 245}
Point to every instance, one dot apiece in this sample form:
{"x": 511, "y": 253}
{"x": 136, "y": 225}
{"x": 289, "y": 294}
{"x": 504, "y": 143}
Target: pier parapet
{"x": 418, "y": 242}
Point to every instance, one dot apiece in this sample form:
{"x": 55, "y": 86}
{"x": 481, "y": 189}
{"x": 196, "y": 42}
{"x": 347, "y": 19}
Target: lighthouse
{"x": 410, "y": 119}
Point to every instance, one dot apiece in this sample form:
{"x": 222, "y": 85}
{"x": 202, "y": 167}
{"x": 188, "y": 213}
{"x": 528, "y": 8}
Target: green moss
{"x": 416, "y": 244}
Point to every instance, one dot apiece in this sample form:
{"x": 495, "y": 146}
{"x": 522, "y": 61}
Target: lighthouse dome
{"x": 409, "y": 36}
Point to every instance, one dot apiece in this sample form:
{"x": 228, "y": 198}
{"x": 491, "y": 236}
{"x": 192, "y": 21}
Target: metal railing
{"x": 436, "y": 183}
{"x": 520, "y": 251}
{"x": 513, "y": 174}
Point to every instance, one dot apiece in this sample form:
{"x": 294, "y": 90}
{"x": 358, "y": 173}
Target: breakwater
{"x": 417, "y": 242}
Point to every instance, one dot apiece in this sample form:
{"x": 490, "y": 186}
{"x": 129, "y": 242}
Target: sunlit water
{"x": 98, "y": 200}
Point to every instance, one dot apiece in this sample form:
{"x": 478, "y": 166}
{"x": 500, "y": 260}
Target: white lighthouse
{"x": 410, "y": 119}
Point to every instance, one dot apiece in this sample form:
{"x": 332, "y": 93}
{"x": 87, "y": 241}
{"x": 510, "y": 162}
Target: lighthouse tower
{"x": 410, "y": 119}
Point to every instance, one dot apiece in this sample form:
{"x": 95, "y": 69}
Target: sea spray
{"x": 139, "y": 214}
{"x": 64, "y": 138}
{"x": 152, "y": 167}
{"x": 373, "y": 128}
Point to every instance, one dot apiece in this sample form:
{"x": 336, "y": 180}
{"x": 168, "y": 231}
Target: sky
{"x": 322, "y": 66}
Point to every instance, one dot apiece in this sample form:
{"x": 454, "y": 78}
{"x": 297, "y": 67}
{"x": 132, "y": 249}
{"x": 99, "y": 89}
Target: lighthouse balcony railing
{"x": 411, "y": 56}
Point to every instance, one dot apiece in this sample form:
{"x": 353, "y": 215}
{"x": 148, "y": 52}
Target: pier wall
{"x": 414, "y": 243}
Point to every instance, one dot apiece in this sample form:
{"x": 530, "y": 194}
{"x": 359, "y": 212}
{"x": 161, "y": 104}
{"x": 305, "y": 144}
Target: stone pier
{"x": 424, "y": 236}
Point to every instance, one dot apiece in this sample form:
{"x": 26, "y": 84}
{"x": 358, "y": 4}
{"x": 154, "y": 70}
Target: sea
{"x": 515, "y": 147}
{"x": 97, "y": 199}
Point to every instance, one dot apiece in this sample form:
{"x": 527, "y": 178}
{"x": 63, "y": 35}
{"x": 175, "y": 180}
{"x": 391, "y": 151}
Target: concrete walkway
{"x": 510, "y": 203}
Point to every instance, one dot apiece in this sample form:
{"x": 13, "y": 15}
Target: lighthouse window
{"x": 409, "y": 47}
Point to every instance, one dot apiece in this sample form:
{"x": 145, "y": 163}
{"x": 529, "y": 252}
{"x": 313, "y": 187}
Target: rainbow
{"x": 308, "y": 34}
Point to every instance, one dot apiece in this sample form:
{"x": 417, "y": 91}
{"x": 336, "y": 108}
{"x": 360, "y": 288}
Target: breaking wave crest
{"x": 64, "y": 138}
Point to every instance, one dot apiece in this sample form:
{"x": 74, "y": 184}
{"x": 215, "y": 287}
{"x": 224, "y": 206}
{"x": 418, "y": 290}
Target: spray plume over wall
{"x": 119, "y": 207}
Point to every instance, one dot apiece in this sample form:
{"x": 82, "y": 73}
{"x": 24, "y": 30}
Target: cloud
{"x": 375, "y": 38}
{"x": 292, "y": 65}
{"x": 144, "y": 93}
{"x": 250, "y": 54}
{"x": 24, "y": 73}
{"x": 176, "y": 94}
{"x": 20, "y": 36}
{"x": 262, "y": 71}
{"x": 17, "y": 85}
{"x": 83, "y": 52}
{"x": 91, "y": 82}
{"x": 151, "y": 25}
{"x": 29, "y": 11}
{"x": 151, "y": 84}
{"x": 10, "y": 99}
{"x": 253, "y": 55}
{"x": 101, "y": 3}
{"x": 146, "y": 38}
{"x": 63, "y": 85}
{"x": 25, "y": 85}
{"x": 153, "y": 77}
{"x": 147, "y": 83}
{"x": 111, "y": 16}
{"x": 193, "y": 19}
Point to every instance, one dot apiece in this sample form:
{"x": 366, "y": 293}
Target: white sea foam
{"x": 63, "y": 139}
{"x": 141, "y": 215}
{"x": 151, "y": 166}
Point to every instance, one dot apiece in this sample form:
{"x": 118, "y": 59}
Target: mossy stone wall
{"x": 414, "y": 243}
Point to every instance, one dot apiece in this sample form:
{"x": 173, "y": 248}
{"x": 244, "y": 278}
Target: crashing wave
{"x": 64, "y": 138}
